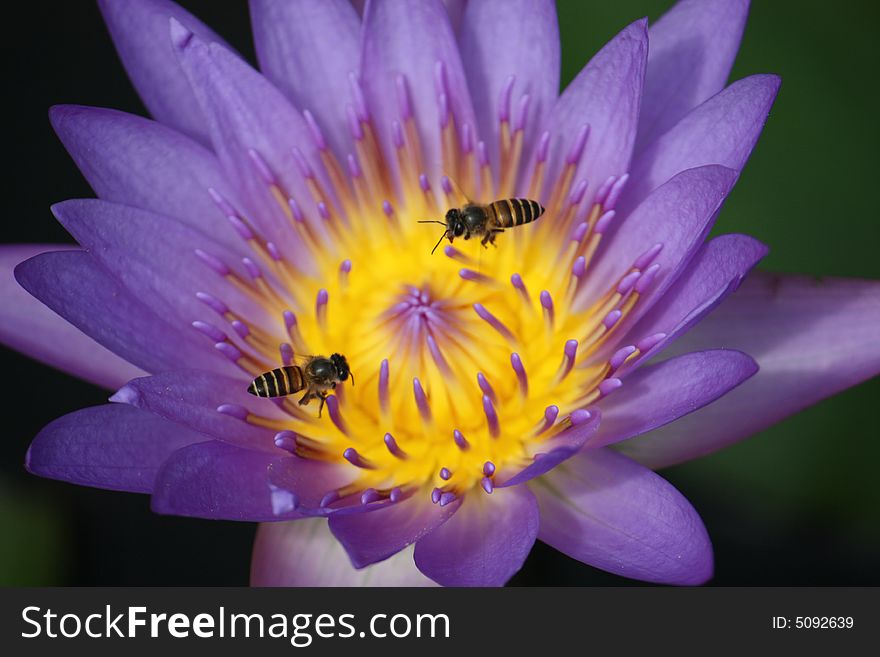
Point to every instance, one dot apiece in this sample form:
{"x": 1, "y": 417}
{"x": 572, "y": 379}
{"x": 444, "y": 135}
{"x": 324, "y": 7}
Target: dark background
{"x": 798, "y": 504}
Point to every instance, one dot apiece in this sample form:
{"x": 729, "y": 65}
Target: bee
{"x": 316, "y": 376}
{"x": 486, "y": 221}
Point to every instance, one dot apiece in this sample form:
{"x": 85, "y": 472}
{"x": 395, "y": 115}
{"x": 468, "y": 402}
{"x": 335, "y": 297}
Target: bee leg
{"x": 323, "y": 397}
{"x": 306, "y": 398}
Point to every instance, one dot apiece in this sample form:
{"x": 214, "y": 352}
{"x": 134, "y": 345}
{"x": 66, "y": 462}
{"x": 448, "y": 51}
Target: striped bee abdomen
{"x": 278, "y": 382}
{"x": 510, "y": 212}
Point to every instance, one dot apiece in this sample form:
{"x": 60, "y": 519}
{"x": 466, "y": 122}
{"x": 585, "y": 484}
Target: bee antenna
{"x": 431, "y": 221}
{"x": 351, "y": 376}
{"x": 438, "y": 242}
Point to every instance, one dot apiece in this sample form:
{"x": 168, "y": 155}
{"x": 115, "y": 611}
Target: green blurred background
{"x": 797, "y": 504}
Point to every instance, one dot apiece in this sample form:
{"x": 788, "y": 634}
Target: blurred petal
{"x": 716, "y": 271}
{"x": 140, "y": 31}
{"x": 811, "y": 339}
{"x": 114, "y": 447}
{"x": 135, "y": 161}
{"x": 655, "y": 395}
{"x": 485, "y": 543}
{"x": 609, "y": 512}
{"x": 723, "y": 130}
{"x": 372, "y": 537}
{"x": 533, "y": 57}
{"x": 605, "y": 95}
{"x": 693, "y": 46}
{"x": 305, "y": 553}
{"x": 76, "y": 287}
{"x": 30, "y": 327}
{"x": 308, "y": 49}
{"x": 410, "y": 38}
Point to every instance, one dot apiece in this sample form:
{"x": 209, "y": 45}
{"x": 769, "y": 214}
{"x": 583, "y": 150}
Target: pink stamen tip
{"x": 388, "y": 209}
{"x": 345, "y": 266}
{"x": 335, "y": 414}
{"x": 487, "y": 485}
{"x": 424, "y": 183}
{"x": 577, "y": 193}
{"x": 460, "y": 440}
{"x": 252, "y": 269}
{"x": 210, "y": 330}
{"x": 435, "y": 495}
{"x": 628, "y": 282}
{"x": 447, "y": 498}
{"x": 329, "y": 499}
{"x": 467, "y": 138}
{"x": 357, "y": 96}
{"x": 370, "y": 495}
{"x": 241, "y": 328}
{"x": 570, "y": 349}
{"x": 383, "y": 386}
{"x": 437, "y": 355}
{"x": 646, "y": 344}
{"x": 620, "y": 356}
{"x": 488, "y": 468}
{"x": 493, "y": 321}
{"x": 295, "y": 210}
{"x": 213, "y": 302}
{"x": 443, "y": 109}
{"x": 397, "y": 137}
{"x": 604, "y": 221}
{"x": 354, "y": 123}
{"x": 550, "y": 415}
{"x": 547, "y": 304}
{"x": 543, "y": 147}
{"x": 648, "y": 256}
{"x": 315, "y": 129}
{"x": 579, "y": 268}
{"x": 616, "y": 191}
{"x": 517, "y": 282}
{"x": 225, "y": 206}
{"x": 323, "y": 211}
{"x": 647, "y": 278}
{"x": 602, "y": 192}
{"x": 580, "y": 232}
{"x": 321, "y": 302}
{"x": 609, "y": 385}
{"x": 421, "y": 400}
{"x": 244, "y": 232}
{"x": 473, "y": 276}
{"x": 286, "y": 353}
{"x": 262, "y": 168}
{"x": 446, "y": 185}
{"x": 351, "y": 455}
{"x": 396, "y": 494}
{"x": 482, "y": 153}
{"x": 451, "y": 252}
{"x": 213, "y": 262}
{"x": 302, "y": 163}
{"x": 229, "y": 350}
{"x": 274, "y": 252}
{"x": 289, "y": 320}
{"x": 504, "y": 99}
{"x": 580, "y": 416}
{"x": 404, "y": 107}
{"x": 354, "y": 167}
{"x": 234, "y": 410}
{"x": 522, "y": 113}
{"x": 577, "y": 147}
{"x": 491, "y": 417}
{"x": 519, "y": 368}
{"x": 393, "y": 447}
{"x": 286, "y": 440}
{"x": 486, "y": 387}
{"x": 445, "y": 474}
{"x": 612, "y": 318}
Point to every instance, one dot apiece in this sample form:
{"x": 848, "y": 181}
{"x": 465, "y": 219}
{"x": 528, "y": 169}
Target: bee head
{"x": 454, "y": 224}
{"x": 341, "y": 365}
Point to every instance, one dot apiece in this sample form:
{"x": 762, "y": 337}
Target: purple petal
{"x": 308, "y": 49}
{"x": 409, "y": 38}
{"x": 552, "y": 452}
{"x": 248, "y": 117}
{"x": 693, "y": 46}
{"x": 716, "y": 271}
{"x": 677, "y": 215}
{"x": 606, "y": 95}
{"x": 372, "y": 537}
{"x": 191, "y": 398}
{"x": 305, "y": 553}
{"x": 723, "y": 130}
{"x": 607, "y": 511}
{"x": 811, "y": 339}
{"x": 485, "y": 543}
{"x": 140, "y": 31}
{"x": 658, "y": 394}
{"x": 131, "y": 160}
{"x": 219, "y": 480}
{"x": 488, "y": 67}
{"x": 155, "y": 258}
{"x": 28, "y": 326}
{"x": 76, "y": 287}
{"x": 114, "y": 447}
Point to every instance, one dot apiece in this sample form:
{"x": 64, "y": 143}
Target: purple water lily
{"x": 503, "y": 396}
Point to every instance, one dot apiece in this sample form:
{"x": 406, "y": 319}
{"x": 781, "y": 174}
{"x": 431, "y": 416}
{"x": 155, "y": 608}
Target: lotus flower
{"x": 504, "y": 395}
